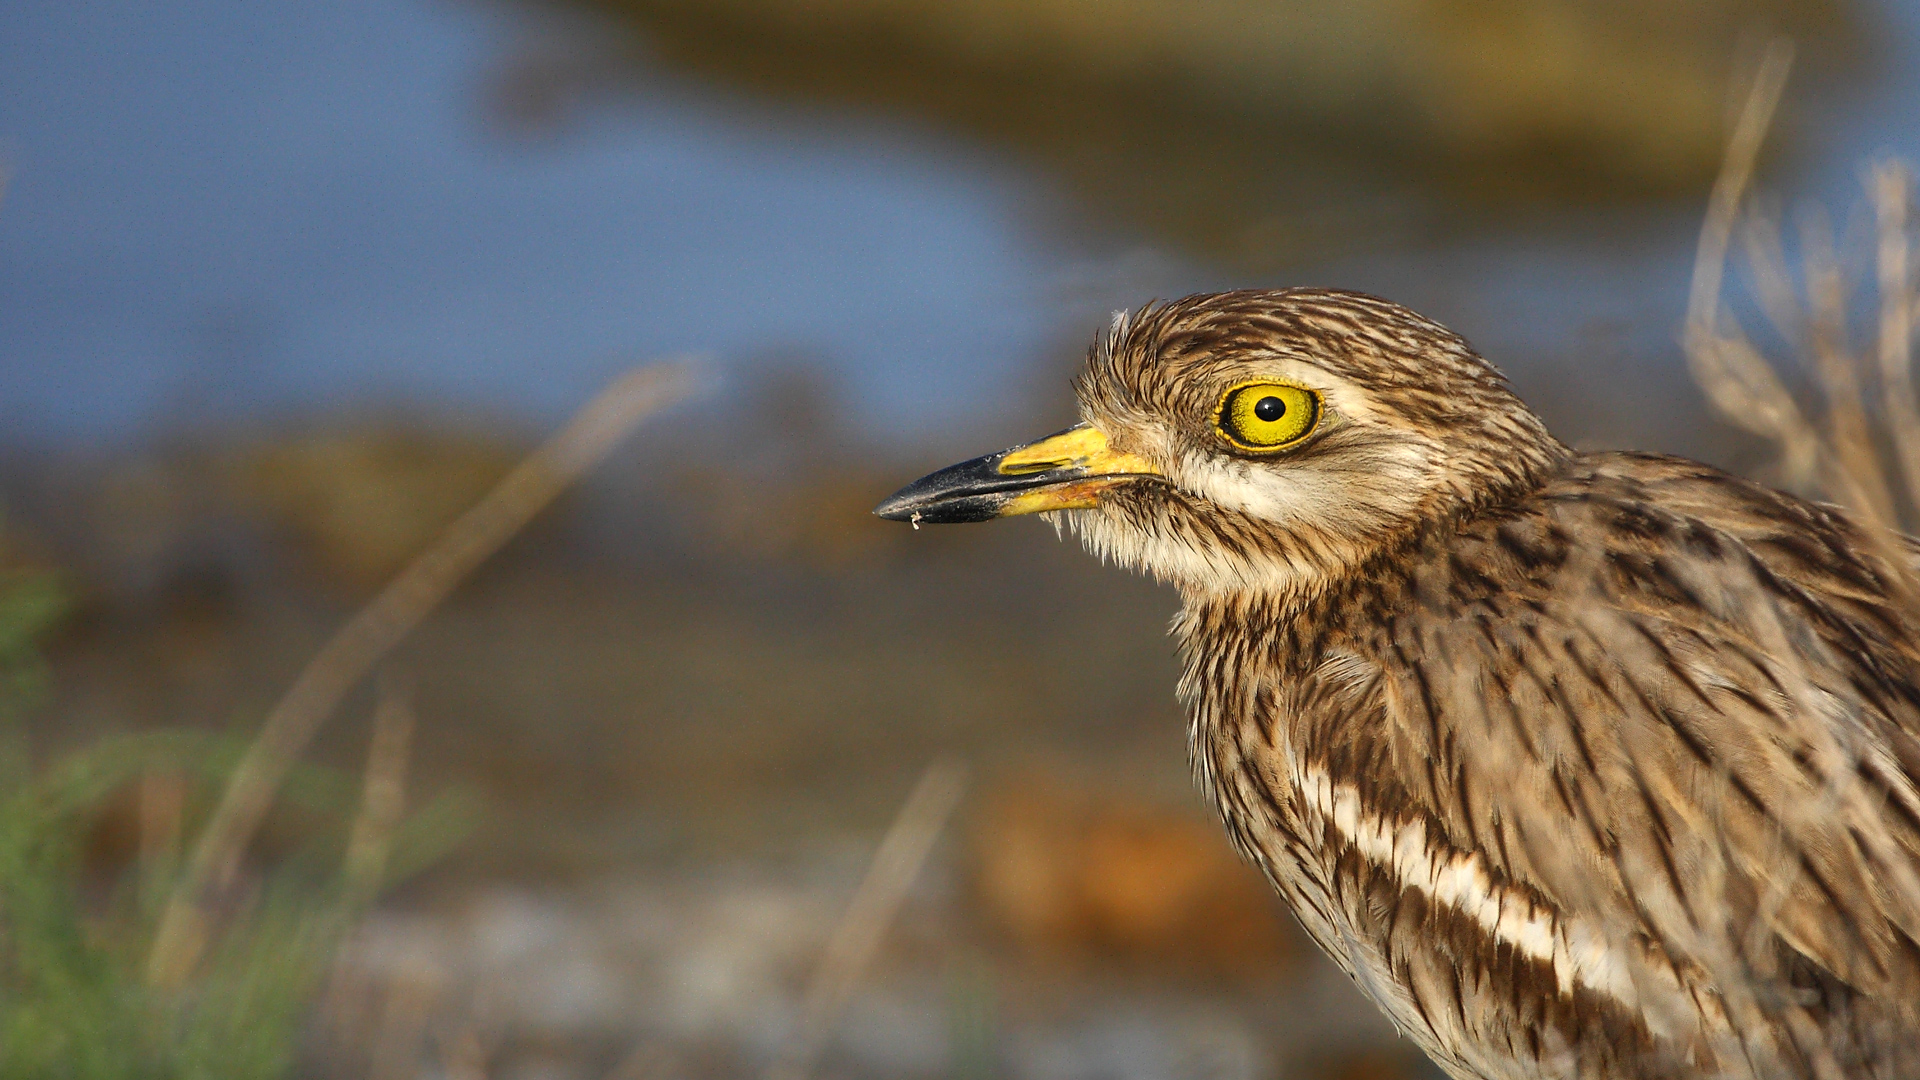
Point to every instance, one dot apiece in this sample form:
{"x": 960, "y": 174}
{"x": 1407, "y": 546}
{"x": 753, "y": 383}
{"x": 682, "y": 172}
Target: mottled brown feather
{"x": 1468, "y": 697}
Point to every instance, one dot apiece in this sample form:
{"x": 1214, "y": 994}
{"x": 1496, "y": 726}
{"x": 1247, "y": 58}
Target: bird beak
{"x": 1065, "y": 471}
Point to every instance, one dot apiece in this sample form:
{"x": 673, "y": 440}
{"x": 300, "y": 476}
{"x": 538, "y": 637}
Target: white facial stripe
{"x": 1387, "y": 483}
{"x": 1337, "y": 502}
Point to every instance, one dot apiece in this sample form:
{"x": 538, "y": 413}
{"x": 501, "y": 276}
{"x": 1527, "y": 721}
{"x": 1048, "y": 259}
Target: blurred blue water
{"x": 221, "y": 211}
{"x": 217, "y": 207}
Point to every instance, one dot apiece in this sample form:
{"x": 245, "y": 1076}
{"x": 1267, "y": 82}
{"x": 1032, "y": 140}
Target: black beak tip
{"x": 949, "y": 496}
{"x": 895, "y": 507}
{"x": 970, "y": 491}
{"x": 917, "y": 508}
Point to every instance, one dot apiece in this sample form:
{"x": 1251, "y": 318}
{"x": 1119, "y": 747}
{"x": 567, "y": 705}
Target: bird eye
{"x": 1267, "y": 416}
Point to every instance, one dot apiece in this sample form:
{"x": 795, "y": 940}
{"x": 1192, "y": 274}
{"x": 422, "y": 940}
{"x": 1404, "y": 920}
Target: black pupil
{"x": 1269, "y": 409}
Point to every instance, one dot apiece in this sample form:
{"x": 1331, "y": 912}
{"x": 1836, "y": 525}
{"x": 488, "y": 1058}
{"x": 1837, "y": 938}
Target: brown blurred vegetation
{"x": 1072, "y": 872}
{"x": 1262, "y": 132}
{"x": 363, "y": 502}
{"x": 694, "y": 694}
{"x": 682, "y": 697}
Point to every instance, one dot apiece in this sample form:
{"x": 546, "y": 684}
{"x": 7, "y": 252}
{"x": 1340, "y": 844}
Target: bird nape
{"x": 1597, "y": 765}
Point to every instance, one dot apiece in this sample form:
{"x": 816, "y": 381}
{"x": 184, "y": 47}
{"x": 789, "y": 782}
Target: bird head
{"x": 1260, "y": 441}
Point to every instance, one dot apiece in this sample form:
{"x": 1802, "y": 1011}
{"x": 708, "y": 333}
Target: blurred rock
{"x": 363, "y": 502}
{"x": 704, "y": 958}
{"x": 1124, "y": 1040}
{"x": 699, "y": 973}
{"x": 1078, "y": 874}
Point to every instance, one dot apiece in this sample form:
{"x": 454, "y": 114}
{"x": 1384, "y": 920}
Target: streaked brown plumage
{"x": 1582, "y": 765}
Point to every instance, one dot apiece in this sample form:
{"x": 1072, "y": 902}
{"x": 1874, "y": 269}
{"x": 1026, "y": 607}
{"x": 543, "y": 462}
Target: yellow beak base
{"x": 1064, "y": 471}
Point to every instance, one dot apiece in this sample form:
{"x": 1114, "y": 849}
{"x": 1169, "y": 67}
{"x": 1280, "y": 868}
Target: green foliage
{"x": 74, "y": 937}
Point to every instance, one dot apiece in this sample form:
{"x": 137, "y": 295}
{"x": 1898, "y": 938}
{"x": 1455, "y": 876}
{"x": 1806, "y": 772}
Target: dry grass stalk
{"x": 1864, "y": 401}
{"x": 384, "y": 791}
{"x": 403, "y": 1024}
{"x": 163, "y": 802}
{"x": 463, "y": 1055}
{"x": 1892, "y": 186}
{"x": 1736, "y": 378}
{"x": 1832, "y": 450}
{"x": 374, "y": 631}
{"x": 468, "y": 1035}
{"x": 1848, "y": 435}
{"x": 894, "y": 867}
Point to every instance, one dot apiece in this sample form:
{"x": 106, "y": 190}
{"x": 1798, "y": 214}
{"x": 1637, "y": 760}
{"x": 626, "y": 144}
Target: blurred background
{"x": 285, "y": 287}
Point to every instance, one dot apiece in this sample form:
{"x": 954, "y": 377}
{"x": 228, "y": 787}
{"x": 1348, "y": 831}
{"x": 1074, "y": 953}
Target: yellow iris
{"x": 1266, "y": 416}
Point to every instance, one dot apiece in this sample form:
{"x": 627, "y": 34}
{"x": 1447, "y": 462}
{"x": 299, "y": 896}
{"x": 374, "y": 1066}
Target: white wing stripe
{"x": 1459, "y": 880}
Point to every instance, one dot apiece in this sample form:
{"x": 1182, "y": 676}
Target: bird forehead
{"x": 1164, "y": 363}
{"x": 1188, "y": 394}
{"x": 1156, "y": 380}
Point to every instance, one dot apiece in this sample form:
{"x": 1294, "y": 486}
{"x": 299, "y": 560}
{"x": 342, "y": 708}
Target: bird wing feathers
{"x": 1687, "y": 720}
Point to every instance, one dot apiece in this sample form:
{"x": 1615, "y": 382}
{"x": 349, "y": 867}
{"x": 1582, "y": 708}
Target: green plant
{"x": 203, "y": 964}
{"x": 74, "y": 997}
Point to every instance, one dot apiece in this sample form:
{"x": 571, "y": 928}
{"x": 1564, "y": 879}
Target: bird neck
{"x": 1301, "y": 572}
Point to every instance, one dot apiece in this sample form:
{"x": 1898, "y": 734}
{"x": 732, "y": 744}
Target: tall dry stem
{"x": 384, "y": 789}
{"x": 374, "y": 631}
{"x": 1831, "y": 442}
{"x": 1891, "y": 183}
{"x": 1832, "y": 445}
{"x": 1849, "y": 438}
{"x": 1736, "y": 378}
{"x": 896, "y": 863}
